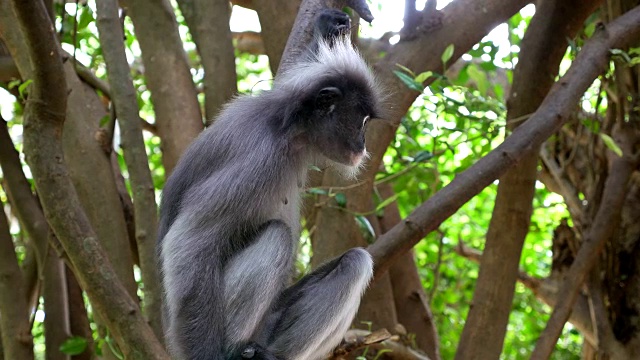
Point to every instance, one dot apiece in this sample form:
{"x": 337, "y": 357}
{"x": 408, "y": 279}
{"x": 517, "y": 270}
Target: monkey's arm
{"x": 254, "y": 278}
{"x": 312, "y": 316}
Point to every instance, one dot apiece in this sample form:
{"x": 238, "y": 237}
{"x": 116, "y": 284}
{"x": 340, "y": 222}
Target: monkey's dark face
{"x": 339, "y": 122}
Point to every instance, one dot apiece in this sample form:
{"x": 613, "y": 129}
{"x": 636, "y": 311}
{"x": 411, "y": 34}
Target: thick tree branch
{"x": 543, "y": 47}
{"x": 44, "y": 117}
{"x": 14, "y": 322}
{"x": 168, "y": 77}
{"x": 56, "y": 306}
{"x": 90, "y": 171}
{"x": 303, "y": 26}
{"x": 552, "y": 114}
{"x": 412, "y": 306}
{"x": 277, "y": 21}
{"x": 208, "y": 22}
{"x": 90, "y": 78}
{"x": 26, "y": 207}
{"x": 607, "y": 342}
{"x": 606, "y": 220}
{"x": 126, "y": 104}
{"x": 545, "y": 290}
{"x": 78, "y": 318}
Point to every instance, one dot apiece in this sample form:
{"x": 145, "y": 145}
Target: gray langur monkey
{"x": 230, "y": 217}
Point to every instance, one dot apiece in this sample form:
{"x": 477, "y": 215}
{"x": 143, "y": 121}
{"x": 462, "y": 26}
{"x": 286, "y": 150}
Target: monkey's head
{"x": 342, "y": 108}
{"x": 331, "y": 97}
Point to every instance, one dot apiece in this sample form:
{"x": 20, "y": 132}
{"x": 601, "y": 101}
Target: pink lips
{"x": 356, "y": 158}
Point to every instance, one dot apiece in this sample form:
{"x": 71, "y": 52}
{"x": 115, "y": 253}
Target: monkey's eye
{"x": 366, "y": 120}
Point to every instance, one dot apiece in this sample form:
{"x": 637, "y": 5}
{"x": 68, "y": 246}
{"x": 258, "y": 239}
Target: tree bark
{"x": 89, "y": 166}
{"x": 78, "y": 318}
{"x": 56, "y": 307}
{"x": 208, "y": 22}
{"x": 168, "y": 76}
{"x": 27, "y": 209}
{"x": 17, "y": 342}
{"x": 412, "y": 306}
{"x": 44, "y": 116}
{"x": 123, "y": 96}
{"x": 276, "y": 21}
{"x": 542, "y": 49}
{"x": 606, "y": 220}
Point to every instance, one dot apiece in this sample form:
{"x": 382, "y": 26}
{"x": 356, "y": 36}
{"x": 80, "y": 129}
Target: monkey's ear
{"x": 327, "y": 97}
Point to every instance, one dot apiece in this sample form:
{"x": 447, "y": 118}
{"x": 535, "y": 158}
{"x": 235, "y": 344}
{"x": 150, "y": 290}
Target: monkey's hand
{"x": 332, "y": 23}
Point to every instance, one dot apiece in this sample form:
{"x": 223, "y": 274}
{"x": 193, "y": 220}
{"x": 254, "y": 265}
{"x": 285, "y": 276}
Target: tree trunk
{"x": 543, "y": 47}
{"x": 17, "y": 342}
{"x": 412, "y": 306}
{"x": 56, "y": 307}
{"x": 177, "y": 112}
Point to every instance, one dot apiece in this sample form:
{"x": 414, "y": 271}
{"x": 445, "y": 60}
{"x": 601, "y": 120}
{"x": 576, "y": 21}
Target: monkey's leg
{"x": 312, "y": 316}
{"x": 253, "y": 279}
{"x": 192, "y": 279}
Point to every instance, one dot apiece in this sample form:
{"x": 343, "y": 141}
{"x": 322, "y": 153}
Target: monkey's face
{"x": 339, "y": 124}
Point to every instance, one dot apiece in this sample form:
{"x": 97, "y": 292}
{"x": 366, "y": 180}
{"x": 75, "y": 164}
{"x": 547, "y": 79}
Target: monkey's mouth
{"x": 356, "y": 158}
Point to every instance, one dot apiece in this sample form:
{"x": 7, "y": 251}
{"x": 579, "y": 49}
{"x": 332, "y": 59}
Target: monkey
{"x": 230, "y": 217}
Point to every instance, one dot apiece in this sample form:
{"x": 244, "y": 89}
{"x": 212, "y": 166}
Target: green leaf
{"x": 591, "y": 125}
{"x": 13, "y": 83}
{"x": 408, "y": 81}
{"x": 367, "y": 230}
{"x": 317, "y": 191}
{"x": 611, "y": 144}
{"x": 23, "y": 87}
{"x": 86, "y": 17}
{"x": 423, "y": 156}
{"x": 386, "y": 202}
{"x": 621, "y": 53}
{"x": 423, "y": 76}
{"x": 447, "y": 54}
{"x": 406, "y": 69}
{"x": 341, "y": 199}
{"x": 314, "y": 168}
{"x": 480, "y": 78}
{"x": 105, "y": 120}
{"x": 74, "y": 345}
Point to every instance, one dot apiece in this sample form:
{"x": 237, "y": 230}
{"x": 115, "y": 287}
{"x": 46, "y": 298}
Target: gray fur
{"x": 230, "y": 217}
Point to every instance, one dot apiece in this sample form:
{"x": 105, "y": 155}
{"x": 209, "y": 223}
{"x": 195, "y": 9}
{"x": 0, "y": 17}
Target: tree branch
{"x": 208, "y": 22}
{"x": 606, "y": 220}
{"x": 607, "y": 342}
{"x": 567, "y": 190}
{"x": 303, "y": 27}
{"x": 168, "y": 76}
{"x": 135, "y": 155}
{"x": 543, "y": 47}
{"x": 26, "y": 207}
{"x": 14, "y": 322}
{"x": 44, "y": 117}
{"x": 551, "y": 115}
{"x": 90, "y": 78}
{"x": 545, "y": 290}
{"x": 277, "y": 19}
